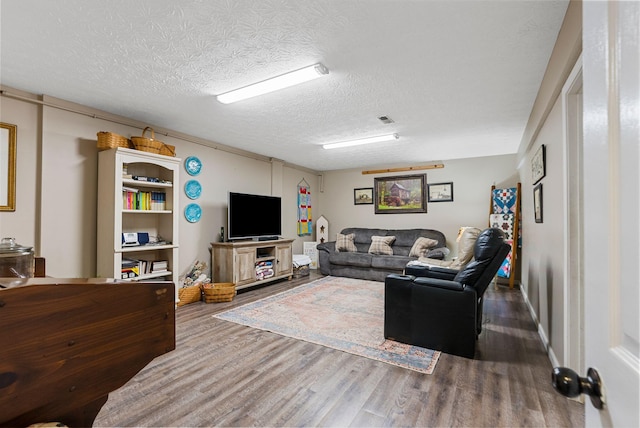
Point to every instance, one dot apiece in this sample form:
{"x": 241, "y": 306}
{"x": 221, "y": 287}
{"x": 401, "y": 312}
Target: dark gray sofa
{"x": 376, "y": 267}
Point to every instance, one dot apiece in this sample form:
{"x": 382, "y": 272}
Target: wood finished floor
{"x": 225, "y": 374}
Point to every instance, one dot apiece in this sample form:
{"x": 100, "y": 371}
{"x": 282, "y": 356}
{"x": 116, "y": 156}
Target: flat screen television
{"x": 253, "y": 216}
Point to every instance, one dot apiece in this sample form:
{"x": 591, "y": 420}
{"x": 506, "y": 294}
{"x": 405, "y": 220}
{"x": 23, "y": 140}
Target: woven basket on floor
{"x": 145, "y": 144}
{"x": 219, "y": 292}
{"x": 189, "y": 294}
{"x": 110, "y": 140}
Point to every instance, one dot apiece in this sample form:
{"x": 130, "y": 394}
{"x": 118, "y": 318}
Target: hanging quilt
{"x": 503, "y": 222}
{"x": 504, "y": 202}
{"x": 505, "y": 268}
{"x": 304, "y": 209}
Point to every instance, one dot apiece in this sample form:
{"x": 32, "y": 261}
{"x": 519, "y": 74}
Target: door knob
{"x": 568, "y": 383}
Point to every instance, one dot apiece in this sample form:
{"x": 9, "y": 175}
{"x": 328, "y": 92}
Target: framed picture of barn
{"x": 401, "y": 194}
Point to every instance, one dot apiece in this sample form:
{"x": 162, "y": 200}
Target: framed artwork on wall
{"x": 539, "y": 165}
{"x": 8, "y": 167}
{"x": 537, "y": 203}
{"x": 401, "y": 194}
{"x": 363, "y": 196}
{"x": 440, "y": 192}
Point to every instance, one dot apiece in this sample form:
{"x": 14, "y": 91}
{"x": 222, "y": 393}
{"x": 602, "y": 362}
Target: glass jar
{"x": 16, "y": 261}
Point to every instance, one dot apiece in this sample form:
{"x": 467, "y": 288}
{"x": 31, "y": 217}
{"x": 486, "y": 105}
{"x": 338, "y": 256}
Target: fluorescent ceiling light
{"x": 369, "y": 140}
{"x": 270, "y": 85}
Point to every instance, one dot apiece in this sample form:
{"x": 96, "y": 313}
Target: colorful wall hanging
{"x": 504, "y": 214}
{"x": 304, "y": 208}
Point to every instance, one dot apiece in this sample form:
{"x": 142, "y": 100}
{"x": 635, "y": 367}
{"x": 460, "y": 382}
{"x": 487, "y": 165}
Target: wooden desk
{"x": 67, "y": 343}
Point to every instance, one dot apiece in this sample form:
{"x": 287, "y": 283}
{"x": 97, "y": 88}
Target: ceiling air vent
{"x": 385, "y": 119}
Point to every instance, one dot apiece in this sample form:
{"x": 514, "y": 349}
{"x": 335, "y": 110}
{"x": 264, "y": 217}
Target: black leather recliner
{"x": 444, "y": 312}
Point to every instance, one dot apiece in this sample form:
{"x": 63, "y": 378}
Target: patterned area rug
{"x": 341, "y": 313}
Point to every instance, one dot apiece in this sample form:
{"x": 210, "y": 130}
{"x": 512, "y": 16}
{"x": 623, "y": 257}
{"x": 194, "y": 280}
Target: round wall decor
{"x": 192, "y": 213}
{"x": 193, "y": 189}
{"x": 193, "y": 165}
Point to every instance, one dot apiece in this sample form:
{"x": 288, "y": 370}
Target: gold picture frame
{"x": 8, "y": 137}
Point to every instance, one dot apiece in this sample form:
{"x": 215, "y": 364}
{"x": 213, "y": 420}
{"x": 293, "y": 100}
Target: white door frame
{"x": 573, "y": 217}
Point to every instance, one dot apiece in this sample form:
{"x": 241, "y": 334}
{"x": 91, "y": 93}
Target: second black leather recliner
{"x": 444, "y": 314}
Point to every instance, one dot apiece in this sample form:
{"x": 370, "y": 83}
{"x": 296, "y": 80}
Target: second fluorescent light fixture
{"x": 273, "y": 84}
{"x": 378, "y": 139}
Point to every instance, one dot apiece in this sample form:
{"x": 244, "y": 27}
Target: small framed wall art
{"x": 363, "y": 196}
{"x": 440, "y": 192}
{"x": 537, "y": 203}
{"x": 539, "y": 164}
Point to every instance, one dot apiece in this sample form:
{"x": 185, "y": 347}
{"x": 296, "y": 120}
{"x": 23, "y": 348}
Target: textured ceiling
{"x": 459, "y": 78}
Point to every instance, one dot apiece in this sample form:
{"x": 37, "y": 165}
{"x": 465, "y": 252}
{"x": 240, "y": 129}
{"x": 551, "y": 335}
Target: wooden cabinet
{"x": 136, "y": 194}
{"x": 249, "y": 263}
{"x": 284, "y": 256}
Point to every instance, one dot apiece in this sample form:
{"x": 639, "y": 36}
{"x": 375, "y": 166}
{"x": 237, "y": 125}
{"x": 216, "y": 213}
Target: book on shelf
{"x": 130, "y": 269}
{"x": 159, "y": 266}
{"x": 145, "y": 178}
{"x": 133, "y": 268}
{"x": 145, "y": 201}
{"x": 129, "y": 263}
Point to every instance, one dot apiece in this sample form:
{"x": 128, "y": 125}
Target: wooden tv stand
{"x": 236, "y": 261}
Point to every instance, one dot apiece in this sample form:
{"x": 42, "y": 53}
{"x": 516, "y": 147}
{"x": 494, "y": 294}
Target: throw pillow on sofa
{"x": 382, "y": 245}
{"x": 421, "y": 245}
{"x": 345, "y": 243}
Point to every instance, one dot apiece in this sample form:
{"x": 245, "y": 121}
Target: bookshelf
{"x": 137, "y": 197}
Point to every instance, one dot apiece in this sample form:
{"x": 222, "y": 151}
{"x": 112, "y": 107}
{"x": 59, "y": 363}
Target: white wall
{"x": 472, "y": 180}
{"x": 56, "y": 203}
{"x": 543, "y": 243}
{"x": 23, "y": 224}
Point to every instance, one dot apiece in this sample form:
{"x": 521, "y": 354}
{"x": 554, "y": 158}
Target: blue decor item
{"x": 193, "y": 212}
{"x": 193, "y": 189}
{"x": 193, "y": 165}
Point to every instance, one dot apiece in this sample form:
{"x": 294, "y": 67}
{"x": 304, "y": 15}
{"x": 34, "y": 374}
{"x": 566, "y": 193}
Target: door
{"x": 611, "y": 65}
{"x": 284, "y": 263}
{"x": 245, "y": 266}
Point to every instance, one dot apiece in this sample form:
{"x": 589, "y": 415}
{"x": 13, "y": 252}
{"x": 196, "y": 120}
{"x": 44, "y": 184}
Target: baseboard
{"x": 543, "y": 335}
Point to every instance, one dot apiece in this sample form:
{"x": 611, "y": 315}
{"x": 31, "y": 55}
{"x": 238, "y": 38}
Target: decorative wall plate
{"x": 193, "y": 165}
{"x": 193, "y": 212}
{"x": 193, "y": 189}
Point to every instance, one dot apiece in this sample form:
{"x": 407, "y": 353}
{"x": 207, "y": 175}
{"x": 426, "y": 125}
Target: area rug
{"x": 341, "y": 313}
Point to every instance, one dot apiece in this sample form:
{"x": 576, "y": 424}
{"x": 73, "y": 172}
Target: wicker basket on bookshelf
{"x": 168, "y": 150}
{"x": 145, "y": 144}
{"x": 111, "y": 140}
{"x": 219, "y": 292}
{"x": 189, "y": 294}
